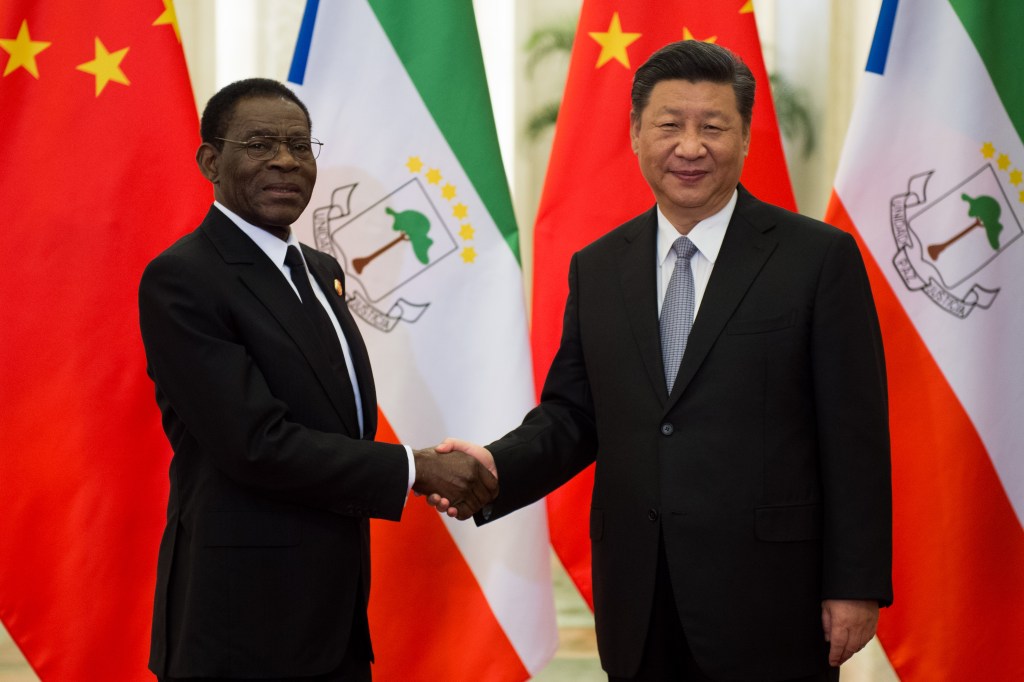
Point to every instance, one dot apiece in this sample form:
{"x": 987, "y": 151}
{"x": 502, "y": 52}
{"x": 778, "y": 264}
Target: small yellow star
{"x": 433, "y": 176}
{"x": 1003, "y": 162}
{"x": 414, "y": 164}
{"x": 467, "y": 232}
{"x": 106, "y": 67}
{"x": 1020, "y": 198}
{"x": 23, "y": 51}
{"x": 748, "y": 7}
{"x": 689, "y": 36}
{"x": 988, "y": 150}
{"x": 613, "y": 43}
{"x": 1015, "y": 176}
{"x": 468, "y": 254}
{"x": 448, "y": 191}
{"x": 169, "y": 17}
{"x": 460, "y": 211}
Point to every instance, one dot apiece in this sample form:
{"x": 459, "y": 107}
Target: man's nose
{"x": 689, "y": 145}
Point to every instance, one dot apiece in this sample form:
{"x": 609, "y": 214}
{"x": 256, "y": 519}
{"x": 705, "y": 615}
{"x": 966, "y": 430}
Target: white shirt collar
{"x": 707, "y": 235}
{"x": 268, "y": 243}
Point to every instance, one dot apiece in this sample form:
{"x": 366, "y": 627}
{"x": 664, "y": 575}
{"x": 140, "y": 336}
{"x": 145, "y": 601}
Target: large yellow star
{"x": 613, "y": 43}
{"x": 23, "y": 51}
{"x": 689, "y": 36}
{"x": 106, "y": 67}
{"x": 169, "y": 17}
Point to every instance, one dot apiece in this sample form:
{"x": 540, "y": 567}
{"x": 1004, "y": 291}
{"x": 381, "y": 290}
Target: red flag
{"x": 100, "y": 130}
{"x": 594, "y": 183}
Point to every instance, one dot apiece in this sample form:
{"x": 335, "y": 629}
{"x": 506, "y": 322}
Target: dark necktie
{"x": 677, "y": 310}
{"x": 316, "y": 313}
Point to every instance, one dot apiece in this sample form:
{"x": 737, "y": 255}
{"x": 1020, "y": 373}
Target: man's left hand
{"x": 848, "y": 624}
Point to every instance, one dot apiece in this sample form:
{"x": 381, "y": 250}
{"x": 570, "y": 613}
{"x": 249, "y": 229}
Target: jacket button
{"x": 652, "y": 514}
{"x": 667, "y": 429}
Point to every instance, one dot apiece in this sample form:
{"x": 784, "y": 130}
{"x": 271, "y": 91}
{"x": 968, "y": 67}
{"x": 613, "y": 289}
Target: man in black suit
{"x": 268, "y": 401}
{"x": 740, "y": 520}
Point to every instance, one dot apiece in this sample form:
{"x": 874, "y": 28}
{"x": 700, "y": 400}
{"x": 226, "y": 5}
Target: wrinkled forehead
{"x": 269, "y": 116}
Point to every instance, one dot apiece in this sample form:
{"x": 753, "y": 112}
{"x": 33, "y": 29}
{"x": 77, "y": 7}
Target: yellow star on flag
{"x": 988, "y": 150}
{"x": 1021, "y": 197}
{"x": 106, "y": 67}
{"x": 468, "y": 254}
{"x": 748, "y": 7}
{"x": 1003, "y": 162}
{"x": 467, "y": 232}
{"x": 613, "y": 43}
{"x": 689, "y": 36}
{"x": 1016, "y": 177}
{"x": 460, "y": 211}
{"x": 448, "y": 191}
{"x": 169, "y": 17}
{"x": 414, "y": 164}
{"x": 23, "y": 51}
{"x": 433, "y": 176}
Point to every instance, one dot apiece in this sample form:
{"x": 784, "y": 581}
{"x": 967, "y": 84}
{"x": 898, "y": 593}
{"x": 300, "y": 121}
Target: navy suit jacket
{"x": 264, "y": 564}
{"x": 765, "y": 473}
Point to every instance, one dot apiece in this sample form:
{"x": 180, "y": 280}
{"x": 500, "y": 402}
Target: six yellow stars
{"x": 106, "y": 67}
{"x": 23, "y": 51}
{"x": 461, "y": 211}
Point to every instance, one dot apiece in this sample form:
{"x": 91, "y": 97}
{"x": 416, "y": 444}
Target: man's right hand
{"x": 481, "y": 454}
{"x": 455, "y": 477}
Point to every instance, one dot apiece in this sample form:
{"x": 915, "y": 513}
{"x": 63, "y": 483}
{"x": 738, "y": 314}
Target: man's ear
{"x": 634, "y": 131}
{"x": 208, "y": 158}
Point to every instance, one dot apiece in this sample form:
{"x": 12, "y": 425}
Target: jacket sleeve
{"x": 853, "y": 430}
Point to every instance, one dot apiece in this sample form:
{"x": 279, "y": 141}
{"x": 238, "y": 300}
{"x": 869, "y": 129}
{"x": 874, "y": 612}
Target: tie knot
{"x": 684, "y": 248}
{"x": 292, "y": 257}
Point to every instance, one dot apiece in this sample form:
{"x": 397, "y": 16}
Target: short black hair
{"x": 694, "y": 61}
{"x": 220, "y": 108}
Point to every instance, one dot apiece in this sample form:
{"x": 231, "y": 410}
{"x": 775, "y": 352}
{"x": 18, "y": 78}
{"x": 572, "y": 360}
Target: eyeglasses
{"x": 265, "y": 148}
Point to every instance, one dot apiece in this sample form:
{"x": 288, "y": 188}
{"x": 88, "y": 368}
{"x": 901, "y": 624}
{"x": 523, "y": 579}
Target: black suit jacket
{"x": 264, "y": 564}
{"x": 766, "y": 471}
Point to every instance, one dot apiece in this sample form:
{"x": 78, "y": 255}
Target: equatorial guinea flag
{"x": 594, "y": 184}
{"x": 411, "y": 198}
{"x": 932, "y": 182}
{"x": 99, "y": 135}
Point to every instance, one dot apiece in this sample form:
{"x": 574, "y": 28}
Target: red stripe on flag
{"x": 958, "y": 564}
{"x": 429, "y": 618}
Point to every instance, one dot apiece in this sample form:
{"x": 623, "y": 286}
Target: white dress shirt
{"x": 276, "y": 251}
{"x": 707, "y": 236}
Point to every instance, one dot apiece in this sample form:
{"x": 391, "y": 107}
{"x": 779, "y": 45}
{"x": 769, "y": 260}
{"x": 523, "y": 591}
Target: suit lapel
{"x": 266, "y": 282}
{"x": 745, "y": 249}
{"x": 360, "y": 356}
{"x": 639, "y": 288}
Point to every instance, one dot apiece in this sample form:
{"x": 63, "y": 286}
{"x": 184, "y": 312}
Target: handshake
{"x": 458, "y": 477}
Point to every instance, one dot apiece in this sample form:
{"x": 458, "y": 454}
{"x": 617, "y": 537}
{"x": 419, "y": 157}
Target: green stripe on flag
{"x": 446, "y": 66}
{"x": 995, "y": 29}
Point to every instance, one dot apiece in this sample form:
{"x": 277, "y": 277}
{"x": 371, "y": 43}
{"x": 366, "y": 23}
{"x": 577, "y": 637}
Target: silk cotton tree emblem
{"x": 945, "y": 244}
{"x": 383, "y": 247}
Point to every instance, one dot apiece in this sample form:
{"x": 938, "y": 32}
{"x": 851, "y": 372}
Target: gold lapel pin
{"x": 337, "y": 287}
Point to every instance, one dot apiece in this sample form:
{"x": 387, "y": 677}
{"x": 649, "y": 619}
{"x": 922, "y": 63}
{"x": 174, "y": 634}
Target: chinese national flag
{"x": 99, "y": 132}
{"x": 594, "y": 184}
